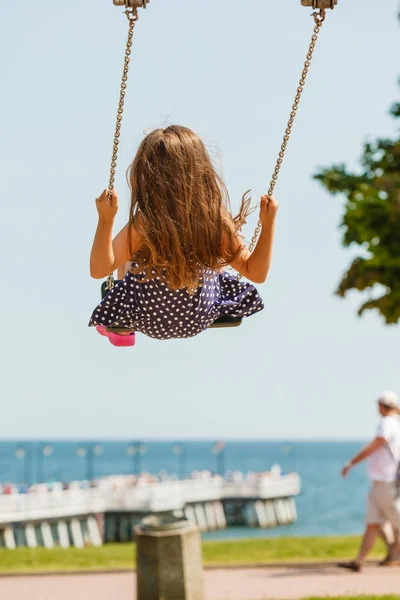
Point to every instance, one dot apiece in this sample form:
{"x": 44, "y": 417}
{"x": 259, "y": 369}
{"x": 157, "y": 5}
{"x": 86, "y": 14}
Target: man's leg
{"x": 387, "y": 534}
{"x": 368, "y": 541}
{"x": 374, "y": 523}
{"x": 388, "y": 538}
{"x": 395, "y": 550}
{"x": 392, "y": 513}
{"x": 373, "y": 529}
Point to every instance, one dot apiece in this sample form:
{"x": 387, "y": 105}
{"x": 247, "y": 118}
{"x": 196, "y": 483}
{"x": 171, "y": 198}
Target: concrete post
{"x": 169, "y": 560}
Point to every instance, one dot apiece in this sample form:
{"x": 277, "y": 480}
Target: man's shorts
{"x": 382, "y": 506}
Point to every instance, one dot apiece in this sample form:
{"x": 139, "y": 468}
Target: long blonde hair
{"x": 180, "y": 208}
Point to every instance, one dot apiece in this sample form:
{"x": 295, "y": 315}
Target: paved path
{"x": 229, "y": 584}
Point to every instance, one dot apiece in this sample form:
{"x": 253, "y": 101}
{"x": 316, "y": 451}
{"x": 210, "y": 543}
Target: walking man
{"x": 383, "y": 456}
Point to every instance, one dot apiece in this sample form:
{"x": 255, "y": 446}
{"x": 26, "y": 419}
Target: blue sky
{"x": 306, "y": 367}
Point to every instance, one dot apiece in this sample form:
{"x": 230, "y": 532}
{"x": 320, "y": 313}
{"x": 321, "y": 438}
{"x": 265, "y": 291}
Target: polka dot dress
{"x": 155, "y": 310}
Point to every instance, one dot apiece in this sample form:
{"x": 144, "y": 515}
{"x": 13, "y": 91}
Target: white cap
{"x": 389, "y": 399}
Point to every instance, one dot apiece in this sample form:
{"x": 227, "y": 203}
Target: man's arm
{"x": 369, "y": 449}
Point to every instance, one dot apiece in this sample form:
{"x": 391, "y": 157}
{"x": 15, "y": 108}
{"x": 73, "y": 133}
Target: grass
{"x": 244, "y": 552}
{"x": 313, "y": 549}
{"x": 26, "y": 560}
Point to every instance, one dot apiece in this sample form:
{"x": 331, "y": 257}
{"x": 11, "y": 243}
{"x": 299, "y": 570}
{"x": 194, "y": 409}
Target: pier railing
{"x": 51, "y": 505}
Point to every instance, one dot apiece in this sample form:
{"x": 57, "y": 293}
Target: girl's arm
{"x": 107, "y": 254}
{"x": 255, "y": 266}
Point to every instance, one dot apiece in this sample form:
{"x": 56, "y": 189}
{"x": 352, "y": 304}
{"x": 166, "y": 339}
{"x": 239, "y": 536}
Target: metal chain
{"x": 132, "y": 18}
{"x": 319, "y": 18}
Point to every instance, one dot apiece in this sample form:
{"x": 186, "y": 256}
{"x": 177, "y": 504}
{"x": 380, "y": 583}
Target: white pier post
{"x": 9, "y": 538}
{"x": 287, "y": 510}
{"x": 270, "y": 513}
{"x": 250, "y": 515}
{"x": 200, "y": 517}
{"x": 280, "y": 511}
{"x": 30, "y": 535}
{"x": 94, "y": 532}
{"x": 292, "y": 509}
{"x": 189, "y": 514}
{"x": 210, "y": 516}
{"x": 260, "y": 512}
{"x": 47, "y": 536}
{"x": 77, "y": 535}
{"x": 220, "y": 514}
{"x": 63, "y": 534}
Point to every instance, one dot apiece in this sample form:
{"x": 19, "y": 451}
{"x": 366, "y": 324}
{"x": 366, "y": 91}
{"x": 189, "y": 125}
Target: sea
{"x": 328, "y": 505}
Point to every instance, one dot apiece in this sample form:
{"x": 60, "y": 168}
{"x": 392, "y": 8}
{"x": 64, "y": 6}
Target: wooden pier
{"x": 108, "y": 513}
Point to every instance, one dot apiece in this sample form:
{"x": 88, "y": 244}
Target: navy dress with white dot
{"x": 152, "y": 308}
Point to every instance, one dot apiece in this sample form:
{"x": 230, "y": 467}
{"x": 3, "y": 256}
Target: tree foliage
{"x": 372, "y": 221}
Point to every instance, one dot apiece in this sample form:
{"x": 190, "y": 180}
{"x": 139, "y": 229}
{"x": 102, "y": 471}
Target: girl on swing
{"x": 179, "y": 239}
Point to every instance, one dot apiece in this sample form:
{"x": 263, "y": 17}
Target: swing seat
{"x": 220, "y": 323}
{"x": 226, "y": 322}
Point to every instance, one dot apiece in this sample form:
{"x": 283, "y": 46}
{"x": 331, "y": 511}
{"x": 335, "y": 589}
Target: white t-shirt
{"x": 383, "y": 463}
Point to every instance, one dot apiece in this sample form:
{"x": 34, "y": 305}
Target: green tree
{"x": 372, "y": 221}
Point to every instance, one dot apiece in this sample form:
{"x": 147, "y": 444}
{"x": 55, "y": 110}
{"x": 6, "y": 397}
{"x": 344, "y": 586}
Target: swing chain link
{"x": 132, "y": 16}
{"x": 319, "y": 18}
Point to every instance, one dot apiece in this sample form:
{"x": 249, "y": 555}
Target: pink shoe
{"x": 117, "y": 339}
